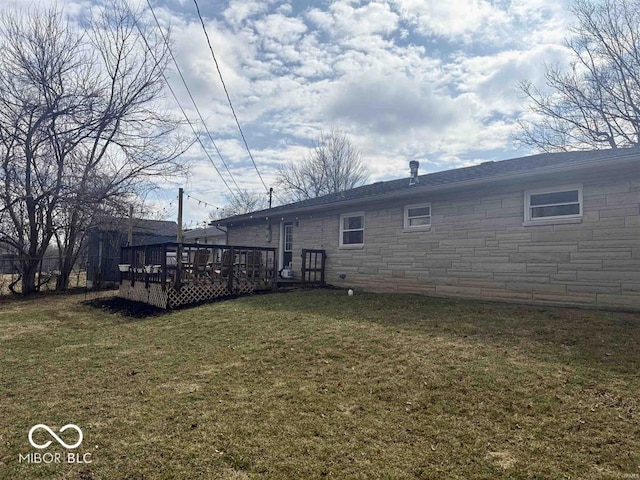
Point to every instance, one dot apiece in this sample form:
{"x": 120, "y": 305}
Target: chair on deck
{"x": 201, "y": 268}
{"x": 226, "y": 266}
{"x": 253, "y": 264}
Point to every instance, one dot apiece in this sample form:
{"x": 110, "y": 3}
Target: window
{"x": 352, "y": 229}
{"x": 417, "y": 217}
{"x": 550, "y": 204}
{"x": 288, "y": 237}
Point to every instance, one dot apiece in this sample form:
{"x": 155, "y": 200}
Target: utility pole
{"x": 180, "y": 195}
{"x": 270, "y": 196}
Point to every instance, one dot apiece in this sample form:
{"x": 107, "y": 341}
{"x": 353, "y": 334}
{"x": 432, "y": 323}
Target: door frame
{"x": 281, "y": 264}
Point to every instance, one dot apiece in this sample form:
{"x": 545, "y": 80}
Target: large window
{"x": 553, "y": 204}
{"x": 417, "y": 217}
{"x": 352, "y": 229}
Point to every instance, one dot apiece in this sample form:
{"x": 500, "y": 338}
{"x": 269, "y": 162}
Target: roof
{"x": 204, "y": 232}
{"x": 141, "y": 226}
{"x": 485, "y": 172}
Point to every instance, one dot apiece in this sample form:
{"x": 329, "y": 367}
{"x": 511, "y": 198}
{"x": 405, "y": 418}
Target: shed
{"x": 109, "y": 234}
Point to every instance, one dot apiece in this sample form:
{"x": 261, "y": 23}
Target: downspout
{"x": 226, "y": 234}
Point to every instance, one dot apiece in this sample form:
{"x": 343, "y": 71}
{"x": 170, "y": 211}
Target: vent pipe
{"x": 413, "y": 167}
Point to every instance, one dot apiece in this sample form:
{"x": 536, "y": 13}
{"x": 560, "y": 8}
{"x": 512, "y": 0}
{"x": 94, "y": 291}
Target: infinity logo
{"x": 52, "y": 433}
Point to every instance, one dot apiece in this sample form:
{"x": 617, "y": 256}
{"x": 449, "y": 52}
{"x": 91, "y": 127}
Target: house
{"x": 109, "y": 234}
{"x": 210, "y": 235}
{"x": 555, "y": 228}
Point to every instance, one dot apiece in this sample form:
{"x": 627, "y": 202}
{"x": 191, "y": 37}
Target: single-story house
{"x": 554, "y": 228}
{"x": 210, "y": 235}
{"x": 109, "y": 234}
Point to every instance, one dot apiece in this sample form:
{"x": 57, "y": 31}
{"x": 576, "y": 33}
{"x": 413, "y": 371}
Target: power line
{"x": 184, "y": 113}
{"x": 224, "y": 86}
{"x": 189, "y": 93}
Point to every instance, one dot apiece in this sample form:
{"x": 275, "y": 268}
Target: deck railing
{"x": 177, "y": 264}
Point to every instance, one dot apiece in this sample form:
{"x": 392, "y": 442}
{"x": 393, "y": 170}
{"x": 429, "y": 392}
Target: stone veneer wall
{"x": 478, "y": 247}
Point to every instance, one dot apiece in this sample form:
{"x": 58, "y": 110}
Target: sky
{"x": 428, "y": 80}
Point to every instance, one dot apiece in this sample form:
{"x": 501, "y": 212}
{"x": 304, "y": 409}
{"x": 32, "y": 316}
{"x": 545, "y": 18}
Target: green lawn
{"x": 313, "y": 384}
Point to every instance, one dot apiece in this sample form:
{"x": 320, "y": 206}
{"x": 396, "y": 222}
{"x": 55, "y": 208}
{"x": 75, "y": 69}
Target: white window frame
{"x": 342, "y": 230}
{"x": 575, "y": 217}
{"x": 287, "y": 226}
{"x": 407, "y": 223}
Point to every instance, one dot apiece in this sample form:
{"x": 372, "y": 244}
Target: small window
{"x": 552, "y": 204}
{"x": 352, "y": 229}
{"x": 417, "y": 216}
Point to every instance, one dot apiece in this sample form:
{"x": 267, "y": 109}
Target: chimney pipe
{"x": 413, "y": 167}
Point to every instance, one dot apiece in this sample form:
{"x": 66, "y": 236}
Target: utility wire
{"x": 228, "y": 97}
{"x": 166, "y": 41}
{"x": 184, "y": 113}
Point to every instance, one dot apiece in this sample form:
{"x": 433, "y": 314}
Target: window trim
{"x": 287, "y": 225}
{"x": 408, "y": 227}
{"x": 342, "y": 230}
{"x": 572, "y": 218}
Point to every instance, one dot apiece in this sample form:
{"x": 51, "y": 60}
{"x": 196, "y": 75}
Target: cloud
{"x": 342, "y": 19}
{"x": 391, "y": 104}
{"x": 494, "y": 79}
{"x": 461, "y": 20}
{"x": 237, "y": 12}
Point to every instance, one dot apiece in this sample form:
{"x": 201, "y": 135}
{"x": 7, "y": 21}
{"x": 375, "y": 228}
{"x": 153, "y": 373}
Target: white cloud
{"x": 393, "y": 104}
{"x": 238, "y": 11}
{"x": 342, "y": 19}
{"x": 456, "y": 19}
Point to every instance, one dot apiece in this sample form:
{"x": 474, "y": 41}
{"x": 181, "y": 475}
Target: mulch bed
{"x": 126, "y": 308}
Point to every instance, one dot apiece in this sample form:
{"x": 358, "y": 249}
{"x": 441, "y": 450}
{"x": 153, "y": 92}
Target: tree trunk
{"x": 66, "y": 266}
{"x": 62, "y": 282}
{"x": 29, "y": 270}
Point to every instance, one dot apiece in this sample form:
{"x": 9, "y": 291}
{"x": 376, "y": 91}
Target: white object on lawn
{"x": 350, "y": 293}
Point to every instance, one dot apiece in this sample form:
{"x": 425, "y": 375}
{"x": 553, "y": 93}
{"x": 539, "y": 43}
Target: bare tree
{"x": 244, "y": 201}
{"x": 597, "y": 103}
{"x": 80, "y": 126}
{"x": 332, "y": 166}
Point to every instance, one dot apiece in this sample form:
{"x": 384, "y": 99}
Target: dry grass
{"x": 317, "y": 384}
{"x": 78, "y": 279}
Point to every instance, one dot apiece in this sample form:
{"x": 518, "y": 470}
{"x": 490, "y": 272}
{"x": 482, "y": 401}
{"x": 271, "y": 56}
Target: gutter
{"x": 226, "y": 233}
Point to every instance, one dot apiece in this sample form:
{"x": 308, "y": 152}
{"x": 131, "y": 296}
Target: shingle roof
{"x": 141, "y": 226}
{"x": 533, "y": 164}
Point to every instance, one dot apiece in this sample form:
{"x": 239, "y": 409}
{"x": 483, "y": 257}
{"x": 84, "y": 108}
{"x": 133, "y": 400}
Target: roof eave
{"x": 398, "y": 194}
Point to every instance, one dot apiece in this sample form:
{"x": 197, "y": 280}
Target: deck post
{"x": 304, "y": 266}
{"x": 178, "y": 282}
{"x": 144, "y": 263}
{"x": 163, "y": 262}
{"x": 231, "y": 270}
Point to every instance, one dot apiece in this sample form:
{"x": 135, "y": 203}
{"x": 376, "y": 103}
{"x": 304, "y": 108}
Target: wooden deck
{"x": 171, "y": 275}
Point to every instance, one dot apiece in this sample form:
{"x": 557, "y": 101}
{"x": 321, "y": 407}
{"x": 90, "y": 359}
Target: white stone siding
{"x": 479, "y": 247}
